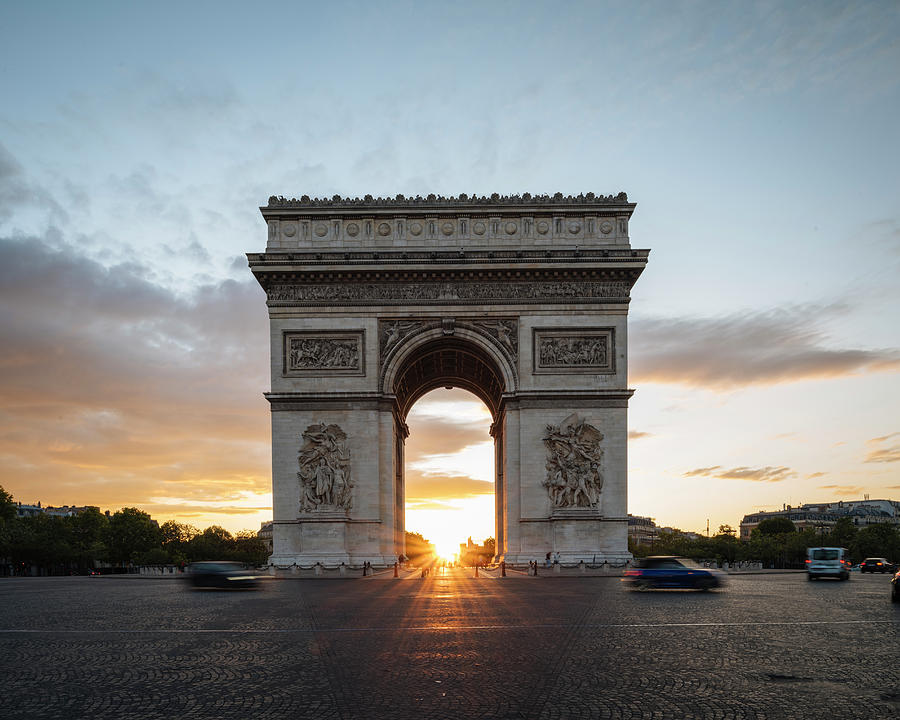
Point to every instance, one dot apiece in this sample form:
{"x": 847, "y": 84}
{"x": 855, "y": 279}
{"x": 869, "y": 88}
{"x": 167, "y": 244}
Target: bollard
{"x": 395, "y": 570}
{"x": 503, "y": 568}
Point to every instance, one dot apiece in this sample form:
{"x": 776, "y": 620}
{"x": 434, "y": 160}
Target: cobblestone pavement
{"x": 449, "y": 646}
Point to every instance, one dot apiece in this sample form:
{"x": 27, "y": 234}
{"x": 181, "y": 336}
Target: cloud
{"x": 855, "y": 490}
{"x": 762, "y": 474}
{"x": 421, "y": 487}
{"x": 815, "y": 475}
{"x": 884, "y": 449}
{"x": 746, "y": 349}
{"x": 114, "y": 389}
{"x": 430, "y": 436}
{"x": 702, "y": 472}
{"x": 637, "y": 434}
{"x": 16, "y": 192}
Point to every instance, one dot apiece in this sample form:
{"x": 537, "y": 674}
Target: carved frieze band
{"x": 448, "y": 293}
{"x": 317, "y": 352}
{"x": 582, "y": 350}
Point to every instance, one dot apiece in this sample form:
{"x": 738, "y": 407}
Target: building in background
{"x": 642, "y": 530}
{"x": 265, "y": 534}
{"x": 24, "y": 510}
{"x": 823, "y": 515}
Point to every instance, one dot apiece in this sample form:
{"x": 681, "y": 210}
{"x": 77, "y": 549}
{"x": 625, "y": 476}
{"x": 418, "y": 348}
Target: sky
{"x": 759, "y": 140}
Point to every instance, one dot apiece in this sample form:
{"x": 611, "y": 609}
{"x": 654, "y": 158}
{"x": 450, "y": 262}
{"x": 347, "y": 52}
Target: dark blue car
{"x": 668, "y": 571}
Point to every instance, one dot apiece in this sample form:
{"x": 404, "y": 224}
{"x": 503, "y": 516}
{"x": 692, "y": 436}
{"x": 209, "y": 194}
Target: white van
{"x": 827, "y": 562}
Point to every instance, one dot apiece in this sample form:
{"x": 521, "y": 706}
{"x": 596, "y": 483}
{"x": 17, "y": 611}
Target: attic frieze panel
{"x": 494, "y": 230}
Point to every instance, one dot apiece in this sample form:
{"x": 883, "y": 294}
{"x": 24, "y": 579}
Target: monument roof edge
{"x": 439, "y": 203}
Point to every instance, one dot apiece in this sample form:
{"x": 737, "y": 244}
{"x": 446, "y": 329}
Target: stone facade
{"x": 522, "y": 300}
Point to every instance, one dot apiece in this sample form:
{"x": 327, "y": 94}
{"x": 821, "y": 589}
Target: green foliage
{"x": 775, "y": 526}
{"x": 490, "y": 546}
{"x": 59, "y": 545}
{"x": 777, "y": 549}
{"x": 129, "y": 533}
{"x": 249, "y": 549}
{"x": 842, "y": 534}
{"x": 153, "y": 556}
{"x": 7, "y": 506}
{"x": 418, "y": 549}
{"x": 881, "y": 540}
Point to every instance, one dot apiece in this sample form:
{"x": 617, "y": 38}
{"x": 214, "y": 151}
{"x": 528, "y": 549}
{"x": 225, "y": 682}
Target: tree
{"x": 7, "y": 506}
{"x": 250, "y": 549}
{"x": 842, "y": 533}
{"x": 775, "y": 526}
{"x": 490, "y": 547}
{"x": 214, "y": 543}
{"x": 417, "y": 547}
{"x": 724, "y": 545}
{"x": 129, "y": 533}
{"x": 879, "y": 540}
{"x": 86, "y": 531}
{"x": 176, "y": 539}
{"x": 7, "y": 519}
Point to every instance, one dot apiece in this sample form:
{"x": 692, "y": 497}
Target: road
{"x": 449, "y": 646}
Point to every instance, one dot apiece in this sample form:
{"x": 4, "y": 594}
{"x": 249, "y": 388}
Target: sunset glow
{"x": 450, "y": 470}
{"x": 759, "y": 140}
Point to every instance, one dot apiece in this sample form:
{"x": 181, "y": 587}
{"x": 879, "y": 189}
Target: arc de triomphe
{"x": 521, "y": 300}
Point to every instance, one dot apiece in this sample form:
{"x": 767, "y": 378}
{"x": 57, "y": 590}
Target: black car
{"x": 221, "y": 575}
{"x": 895, "y": 587}
{"x": 874, "y": 564}
{"x": 668, "y": 571}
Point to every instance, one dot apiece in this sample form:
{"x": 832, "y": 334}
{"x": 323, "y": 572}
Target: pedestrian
{"x": 548, "y": 558}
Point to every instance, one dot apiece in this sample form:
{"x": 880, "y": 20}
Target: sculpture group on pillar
{"x": 574, "y": 457}
{"x": 324, "y": 469}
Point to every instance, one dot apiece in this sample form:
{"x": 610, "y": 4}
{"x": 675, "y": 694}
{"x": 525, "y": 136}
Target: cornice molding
{"x": 440, "y": 202}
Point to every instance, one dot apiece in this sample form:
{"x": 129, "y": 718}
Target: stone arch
{"x": 433, "y": 358}
{"x": 375, "y": 301}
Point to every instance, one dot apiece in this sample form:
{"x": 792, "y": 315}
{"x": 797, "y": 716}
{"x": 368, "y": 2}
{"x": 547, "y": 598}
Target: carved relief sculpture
{"x": 323, "y": 353}
{"x": 279, "y": 294}
{"x": 574, "y": 458}
{"x": 391, "y": 332}
{"x": 505, "y": 332}
{"x": 590, "y": 350}
{"x": 571, "y": 351}
{"x": 325, "y": 483}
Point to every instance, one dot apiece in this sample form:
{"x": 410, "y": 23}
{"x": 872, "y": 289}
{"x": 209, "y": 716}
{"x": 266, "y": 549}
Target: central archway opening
{"x": 456, "y": 465}
{"x": 449, "y": 472}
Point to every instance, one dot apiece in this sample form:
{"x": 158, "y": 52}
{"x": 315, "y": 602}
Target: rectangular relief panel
{"x": 309, "y": 353}
{"x": 574, "y": 350}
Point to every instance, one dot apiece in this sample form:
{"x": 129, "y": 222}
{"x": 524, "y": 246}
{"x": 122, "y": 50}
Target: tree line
{"x": 777, "y": 542}
{"x": 50, "y": 545}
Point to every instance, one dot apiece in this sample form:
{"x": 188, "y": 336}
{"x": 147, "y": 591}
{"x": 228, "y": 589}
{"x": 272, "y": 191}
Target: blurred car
{"x": 895, "y": 587}
{"x": 220, "y": 574}
{"x": 827, "y": 562}
{"x": 874, "y": 564}
{"x": 669, "y": 571}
